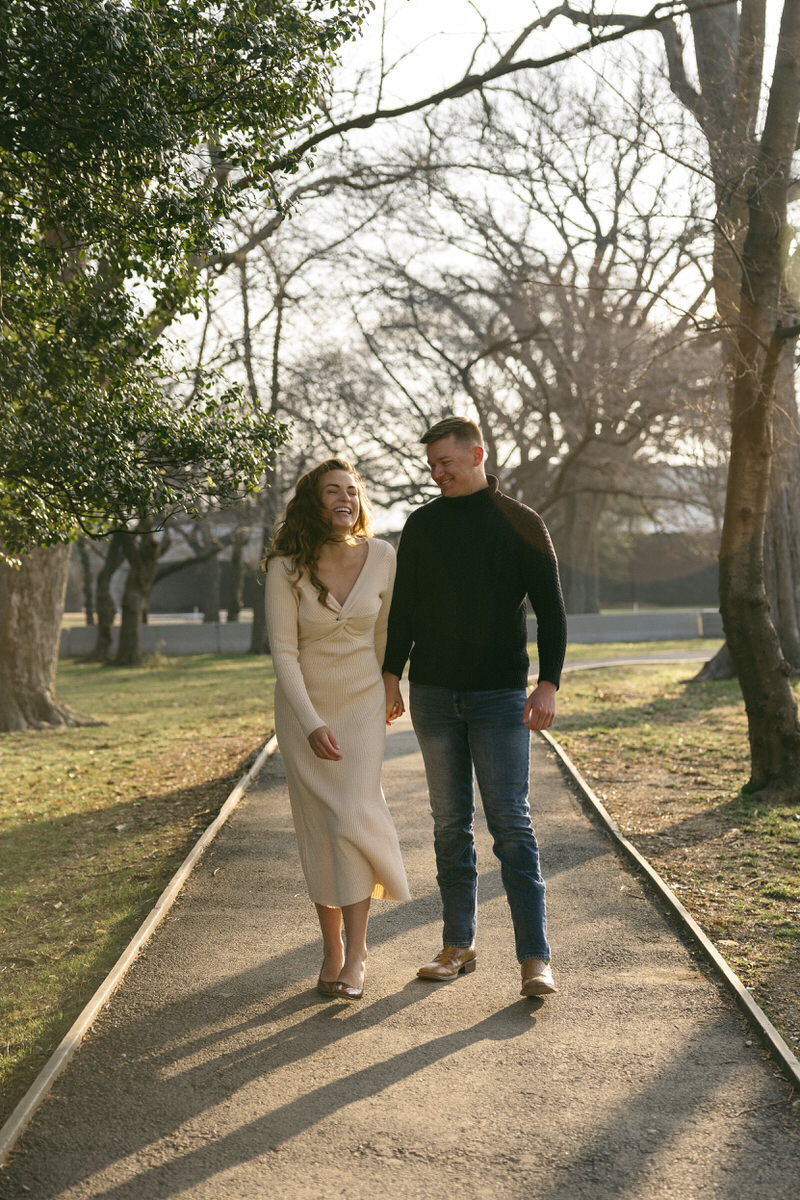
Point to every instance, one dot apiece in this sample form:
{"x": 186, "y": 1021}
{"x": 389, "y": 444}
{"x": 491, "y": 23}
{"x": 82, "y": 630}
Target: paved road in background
{"x": 630, "y": 659}
{"x": 218, "y": 1073}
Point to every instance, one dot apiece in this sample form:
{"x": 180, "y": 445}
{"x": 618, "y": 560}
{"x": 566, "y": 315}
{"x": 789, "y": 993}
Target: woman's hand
{"x": 394, "y": 701}
{"x": 324, "y": 744}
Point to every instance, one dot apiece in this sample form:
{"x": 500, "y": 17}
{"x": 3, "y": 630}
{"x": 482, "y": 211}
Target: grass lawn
{"x": 94, "y": 822}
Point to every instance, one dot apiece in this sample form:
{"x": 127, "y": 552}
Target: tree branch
{"x": 624, "y": 24}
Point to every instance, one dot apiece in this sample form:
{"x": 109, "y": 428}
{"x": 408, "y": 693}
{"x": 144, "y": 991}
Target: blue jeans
{"x": 459, "y": 731}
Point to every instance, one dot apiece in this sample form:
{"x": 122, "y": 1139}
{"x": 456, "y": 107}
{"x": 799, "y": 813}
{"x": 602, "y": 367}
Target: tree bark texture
{"x": 782, "y": 534}
{"x": 762, "y": 670}
{"x": 31, "y": 609}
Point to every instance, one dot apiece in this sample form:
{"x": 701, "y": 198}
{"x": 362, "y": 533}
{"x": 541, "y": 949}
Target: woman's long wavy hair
{"x": 300, "y": 533}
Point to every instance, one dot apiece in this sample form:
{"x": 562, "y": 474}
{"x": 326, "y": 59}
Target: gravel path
{"x": 218, "y": 1072}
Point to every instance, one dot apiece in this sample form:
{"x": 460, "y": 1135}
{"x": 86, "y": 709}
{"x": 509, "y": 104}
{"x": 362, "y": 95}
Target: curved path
{"x": 216, "y": 1071}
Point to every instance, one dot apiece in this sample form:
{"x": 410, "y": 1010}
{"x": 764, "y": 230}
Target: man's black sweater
{"x": 464, "y": 567}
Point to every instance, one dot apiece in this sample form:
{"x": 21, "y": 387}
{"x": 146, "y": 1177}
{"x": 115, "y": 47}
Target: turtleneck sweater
{"x": 464, "y": 567}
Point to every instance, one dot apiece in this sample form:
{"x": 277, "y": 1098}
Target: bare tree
{"x": 750, "y": 152}
{"x": 533, "y": 277}
{"x": 31, "y": 609}
{"x": 756, "y": 350}
{"x": 728, "y": 47}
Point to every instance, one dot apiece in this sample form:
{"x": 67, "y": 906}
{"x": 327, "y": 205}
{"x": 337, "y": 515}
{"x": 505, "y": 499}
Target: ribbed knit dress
{"x": 327, "y": 663}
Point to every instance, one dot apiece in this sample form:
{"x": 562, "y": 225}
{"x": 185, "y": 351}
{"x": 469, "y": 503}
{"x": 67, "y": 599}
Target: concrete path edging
{"x": 39, "y": 1089}
{"x": 766, "y": 1030}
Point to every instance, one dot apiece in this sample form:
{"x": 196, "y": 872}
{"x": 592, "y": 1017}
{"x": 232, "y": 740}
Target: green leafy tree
{"x": 128, "y": 134}
{"x": 125, "y": 132}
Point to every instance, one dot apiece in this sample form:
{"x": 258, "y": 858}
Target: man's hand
{"x": 540, "y": 707}
{"x": 324, "y": 744}
{"x": 394, "y": 701}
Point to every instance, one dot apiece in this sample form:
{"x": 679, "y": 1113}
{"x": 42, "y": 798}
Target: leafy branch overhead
{"x": 147, "y": 456}
{"x": 121, "y": 127}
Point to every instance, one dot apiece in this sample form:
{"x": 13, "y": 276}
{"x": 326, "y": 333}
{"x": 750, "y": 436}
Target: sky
{"x": 432, "y": 40}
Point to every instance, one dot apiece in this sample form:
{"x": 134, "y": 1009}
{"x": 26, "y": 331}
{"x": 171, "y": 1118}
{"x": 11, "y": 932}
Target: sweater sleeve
{"x": 400, "y": 636}
{"x": 281, "y": 601}
{"x": 543, "y": 586}
{"x": 381, "y": 624}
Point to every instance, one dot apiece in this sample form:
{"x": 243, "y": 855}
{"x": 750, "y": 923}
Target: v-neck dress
{"x": 327, "y": 663}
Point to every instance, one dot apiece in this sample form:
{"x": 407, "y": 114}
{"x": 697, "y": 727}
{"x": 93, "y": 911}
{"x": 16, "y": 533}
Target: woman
{"x": 328, "y": 589}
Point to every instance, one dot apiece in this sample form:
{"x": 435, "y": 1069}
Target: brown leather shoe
{"x": 449, "y": 962}
{"x": 326, "y": 987}
{"x": 537, "y": 978}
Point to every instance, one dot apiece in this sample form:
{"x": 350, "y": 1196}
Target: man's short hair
{"x": 461, "y": 428}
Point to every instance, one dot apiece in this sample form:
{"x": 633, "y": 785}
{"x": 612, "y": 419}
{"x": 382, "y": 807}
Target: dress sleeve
{"x": 281, "y": 601}
{"x": 389, "y": 567}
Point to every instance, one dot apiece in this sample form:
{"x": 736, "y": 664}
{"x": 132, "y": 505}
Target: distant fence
{"x": 666, "y": 625}
{"x": 178, "y": 636}
{"x": 173, "y": 637}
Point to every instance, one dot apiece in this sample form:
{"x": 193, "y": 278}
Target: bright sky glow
{"x": 430, "y": 43}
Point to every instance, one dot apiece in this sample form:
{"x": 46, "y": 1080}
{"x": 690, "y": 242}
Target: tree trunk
{"x": 31, "y": 609}
{"x": 86, "y": 579}
{"x": 259, "y": 636}
{"x": 106, "y": 610}
{"x": 142, "y": 551}
{"x": 729, "y": 44}
{"x": 782, "y": 568}
{"x": 269, "y": 504}
{"x": 212, "y": 578}
{"x": 719, "y": 666}
{"x": 575, "y": 537}
{"x": 236, "y": 595}
{"x": 772, "y": 717}
{"x": 763, "y": 672}
{"x": 782, "y": 532}
{"x": 782, "y": 537}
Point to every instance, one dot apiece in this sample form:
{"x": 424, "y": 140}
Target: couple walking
{"x": 339, "y": 607}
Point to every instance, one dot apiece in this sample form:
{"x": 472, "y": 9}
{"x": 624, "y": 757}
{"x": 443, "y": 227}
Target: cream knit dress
{"x": 328, "y": 668}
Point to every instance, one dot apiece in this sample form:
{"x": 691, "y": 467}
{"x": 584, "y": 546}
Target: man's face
{"x": 455, "y": 467}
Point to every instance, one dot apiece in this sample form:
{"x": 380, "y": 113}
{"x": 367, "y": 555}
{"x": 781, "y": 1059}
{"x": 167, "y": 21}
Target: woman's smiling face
{"x": 338, "y": 493}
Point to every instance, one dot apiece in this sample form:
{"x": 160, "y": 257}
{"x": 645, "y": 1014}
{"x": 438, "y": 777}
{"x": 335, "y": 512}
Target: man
{"x": 465, "y": 563}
